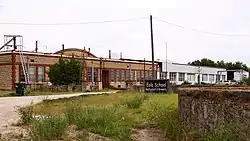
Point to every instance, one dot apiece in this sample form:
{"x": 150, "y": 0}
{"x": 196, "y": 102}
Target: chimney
{"x": 121, "y": 55}
{"x": 89, "y": 50}
{"x": 62, "y": 46}
{"x": 84, "y": 48}
{"x": 36, "y": 49}
{"x": 109, "y": 54}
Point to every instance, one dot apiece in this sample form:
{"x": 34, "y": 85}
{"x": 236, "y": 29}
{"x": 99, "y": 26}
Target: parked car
{"x": 227, "y": 82}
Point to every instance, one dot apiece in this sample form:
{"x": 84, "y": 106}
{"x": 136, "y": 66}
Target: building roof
{"x": 74, "y": 49}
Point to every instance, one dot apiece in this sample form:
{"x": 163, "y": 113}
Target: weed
{"x": 109, "y": 122}
{"x": 49, "y": 128}
{"x": 136, "y": 102}
{"x": 165, "y": 118}
{"x": 26, "y": 114}
{"x": 223, "y": 132}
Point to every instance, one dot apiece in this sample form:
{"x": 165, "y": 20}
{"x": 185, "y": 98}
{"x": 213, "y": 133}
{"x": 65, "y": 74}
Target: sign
{"x": 156, "y": 86}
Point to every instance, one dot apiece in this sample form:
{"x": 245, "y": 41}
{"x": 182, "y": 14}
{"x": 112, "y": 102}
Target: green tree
{"x": 220, "y": 64}
{"x": 65, "y": 72}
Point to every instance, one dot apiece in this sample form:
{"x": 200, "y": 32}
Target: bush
{"x": 109, "y": 122}
{"x": 26, "y": 114}
{"x": 136, "y": 102}
{"x": 246, "y": 80}
{"x": 49, "y": 128}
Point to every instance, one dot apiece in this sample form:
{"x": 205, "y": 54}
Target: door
{"x": 105, "y": 79}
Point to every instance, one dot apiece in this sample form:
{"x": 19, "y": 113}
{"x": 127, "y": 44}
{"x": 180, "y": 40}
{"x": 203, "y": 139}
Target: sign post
{"x": 156, "y": 86}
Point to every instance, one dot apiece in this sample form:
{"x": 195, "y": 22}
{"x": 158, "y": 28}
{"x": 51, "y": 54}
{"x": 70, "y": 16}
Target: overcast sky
{"x": 132, "y": 38}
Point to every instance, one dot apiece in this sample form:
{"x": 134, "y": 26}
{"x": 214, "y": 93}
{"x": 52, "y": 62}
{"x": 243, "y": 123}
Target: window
{"x": 142, "y": 75}
{"x": 32, "y": 74}
{"x": 92, "y": 75}
{"x": 223, "y": 77}
{"x": 172, "y": 76}
{"x": 191, "y": 77}
{"x": 122, "y": 75}
{"x": 112, "y": 75}
{"x": 211, "y": 78}
{"x": 46, "y": 74}
{"x": 204, "y": 77}
{"x": 138, "y": 75}
{"x": 127, "y": 75}
{"x": 146, "y": 75}
{"x": 217, "y": 78}
{"x": 164, "y": 75}
{"x": 132, "y": 75}
{"x": 181, "y": 76}
{"x": 117, "y": 75}
{"x": 40, "y": 75}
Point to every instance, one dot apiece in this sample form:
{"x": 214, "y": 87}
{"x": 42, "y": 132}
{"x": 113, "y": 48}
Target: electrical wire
{"x": 201, "y": 31}
{"x": 73, "y": 23}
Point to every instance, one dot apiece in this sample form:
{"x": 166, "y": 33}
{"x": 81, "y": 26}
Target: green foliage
{"x": 246, "y": 80}
{"x": 166, "y": 118}
{"x": 26, "y": 114}
{"x": 49, "y": 128}
{"x": 220, "y": 64}
{"x": 109, "y": 122}
{"x": 65, "y": 72}
{"x": 136, "y": 102}
{"x": 223, "y": 132}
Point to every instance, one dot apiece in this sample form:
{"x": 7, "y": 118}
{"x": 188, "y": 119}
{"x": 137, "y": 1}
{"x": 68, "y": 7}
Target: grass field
{"x": 114, "y": 116}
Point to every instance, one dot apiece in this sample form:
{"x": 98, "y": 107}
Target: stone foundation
{"x": 202, "y": 108}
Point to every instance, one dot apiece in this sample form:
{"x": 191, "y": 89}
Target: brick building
{"x": 106, "y": 71}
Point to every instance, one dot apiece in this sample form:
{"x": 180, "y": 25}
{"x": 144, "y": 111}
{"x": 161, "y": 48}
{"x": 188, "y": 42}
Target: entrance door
{"x": 105, "y": 79}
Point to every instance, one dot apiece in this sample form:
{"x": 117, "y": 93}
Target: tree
{"x": 220, "y": 64}
{"x": 65, "y": 72}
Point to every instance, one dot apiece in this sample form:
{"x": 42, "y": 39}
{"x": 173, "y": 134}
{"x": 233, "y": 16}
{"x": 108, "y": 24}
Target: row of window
{"x": 191, "y": 77}
{"x": 124, "y": 75}
{"x": 34, "y": 71}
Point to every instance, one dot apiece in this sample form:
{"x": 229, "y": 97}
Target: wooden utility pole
{"x": 152, "y": 46}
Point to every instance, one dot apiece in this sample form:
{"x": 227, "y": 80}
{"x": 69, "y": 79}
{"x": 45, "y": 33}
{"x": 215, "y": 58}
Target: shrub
{"x": 246, "y": 80}
{"x": 26, "y": 114}
{"x": 136, "y": 102}
{"x": 49, "y": 128}
{"x": 109, "y": 122}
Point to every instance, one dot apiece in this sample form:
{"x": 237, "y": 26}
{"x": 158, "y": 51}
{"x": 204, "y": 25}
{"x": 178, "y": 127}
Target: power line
{"x": 73, "y": 23}
{"x": 201, "y": 31}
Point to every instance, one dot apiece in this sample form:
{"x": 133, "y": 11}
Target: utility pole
{"x": 166, "y": 60}
{"x": 152, "y": 46}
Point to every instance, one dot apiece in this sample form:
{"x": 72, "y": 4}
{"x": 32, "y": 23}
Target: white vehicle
{"x": 227, "y": 82}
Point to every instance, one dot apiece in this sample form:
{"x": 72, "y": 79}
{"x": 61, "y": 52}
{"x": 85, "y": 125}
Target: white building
{"x": 178, "y": 73}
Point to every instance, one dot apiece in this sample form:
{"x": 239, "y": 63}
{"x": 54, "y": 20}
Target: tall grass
{"x": 49, "y": 128}
{"x": 165, "y": 118}
{"x": 109, "y": 122}
{"x": 136, "y": 102}
{"x": 26, "y": 114}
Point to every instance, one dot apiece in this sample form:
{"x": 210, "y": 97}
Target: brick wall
{"x": 5, "y": 59}
{"x": 5, "y": 77}
{"x": 202, "y": 108}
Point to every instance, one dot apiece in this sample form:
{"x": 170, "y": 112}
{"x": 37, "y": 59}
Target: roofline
{"x": 196, "y": 66}
{"x": 74, "y": 49}
{"x": 65, "y": 56}
{"x": 138, "y": 60}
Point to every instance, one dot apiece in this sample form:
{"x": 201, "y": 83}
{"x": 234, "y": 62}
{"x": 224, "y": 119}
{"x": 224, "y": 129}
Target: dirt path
{"x": 8, "y": 113}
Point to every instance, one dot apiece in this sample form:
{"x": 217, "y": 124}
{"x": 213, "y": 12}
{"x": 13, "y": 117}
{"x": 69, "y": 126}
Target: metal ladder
{"x": 24, "y": 66}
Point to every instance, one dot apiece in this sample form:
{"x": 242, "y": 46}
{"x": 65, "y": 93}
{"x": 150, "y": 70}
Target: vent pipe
{"x": 121, "y": 55}
{"x": 109, "y": 54}
{"x": 62, "y": 46}
{"x": 36, "y": 49}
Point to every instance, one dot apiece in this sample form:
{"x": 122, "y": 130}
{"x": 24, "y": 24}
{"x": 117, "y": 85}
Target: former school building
{"x": 101, "y": 72}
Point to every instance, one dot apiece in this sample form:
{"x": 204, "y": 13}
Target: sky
{"x": 132, "y": 38}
